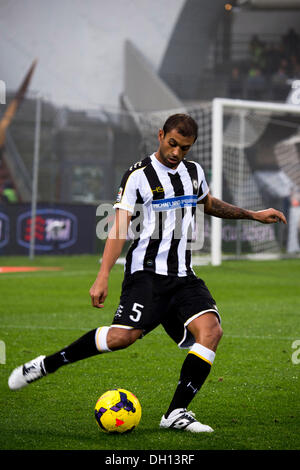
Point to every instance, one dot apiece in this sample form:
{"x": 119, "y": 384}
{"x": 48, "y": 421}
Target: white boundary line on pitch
{"x": 30, "y": 327}
{"x": 35, "y": 327}
{"x": 45, "y": 273}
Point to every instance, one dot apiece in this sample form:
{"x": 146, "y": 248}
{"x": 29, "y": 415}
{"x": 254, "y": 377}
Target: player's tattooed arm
{"x": 218, "y": 208}
{"x": 223, "y": 210}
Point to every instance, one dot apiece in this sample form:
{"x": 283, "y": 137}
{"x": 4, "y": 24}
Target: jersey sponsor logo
{"x": 158, "y": 189}
{"x": 174, "y": 203}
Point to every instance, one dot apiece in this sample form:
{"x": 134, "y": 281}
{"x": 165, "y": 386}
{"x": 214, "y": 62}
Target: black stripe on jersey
{"x": 136, "y": 166}
{"x": 138, "y": 213}
{"x": 172, "y": 260}
{"x": 154, "y": 182}
{"x": 138, "y": 228}
{"x": 129, "y": 255}
{"x": 177, "y": 184}
{"x": 188, "y": 258}
{"x": 192, "y": 170}
{"x": 154, "y": 242}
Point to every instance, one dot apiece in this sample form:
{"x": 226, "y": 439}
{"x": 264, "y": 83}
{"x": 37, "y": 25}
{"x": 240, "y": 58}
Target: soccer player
{"x": 160, "y": 286}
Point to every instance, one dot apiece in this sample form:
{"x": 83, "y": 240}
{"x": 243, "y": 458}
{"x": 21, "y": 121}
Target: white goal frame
{"x": 218, "y": 106}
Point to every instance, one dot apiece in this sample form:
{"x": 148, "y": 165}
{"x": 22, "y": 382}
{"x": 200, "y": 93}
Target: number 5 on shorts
{"x": 136, "y": 309}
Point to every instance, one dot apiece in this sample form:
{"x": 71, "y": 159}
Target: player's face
{"x": 173, "y": 147}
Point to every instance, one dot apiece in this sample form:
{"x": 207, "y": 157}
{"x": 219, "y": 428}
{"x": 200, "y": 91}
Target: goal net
{"x": 250, "y": 153}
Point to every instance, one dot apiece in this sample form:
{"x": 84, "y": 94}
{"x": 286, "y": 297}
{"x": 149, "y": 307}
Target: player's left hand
{"x": 269, "y": 216}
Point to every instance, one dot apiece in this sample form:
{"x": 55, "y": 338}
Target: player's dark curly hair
{"x": 183, "y": 123}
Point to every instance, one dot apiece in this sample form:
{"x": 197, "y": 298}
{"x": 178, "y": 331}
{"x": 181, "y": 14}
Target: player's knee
{"x": 121, "y": 338}
{"x": 210, "y": 336}
{"x": 217, "y": 331}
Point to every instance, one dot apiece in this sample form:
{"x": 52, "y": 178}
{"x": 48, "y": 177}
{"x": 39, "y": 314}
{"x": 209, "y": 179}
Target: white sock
{"x": 101, "y": 339}
{"x": 203, "y": 352}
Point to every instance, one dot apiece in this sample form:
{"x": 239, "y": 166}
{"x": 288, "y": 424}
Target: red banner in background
{"x": 59, "y": 229}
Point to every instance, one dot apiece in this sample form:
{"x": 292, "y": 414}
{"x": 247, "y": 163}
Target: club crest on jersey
{"x": 195, "y": 184}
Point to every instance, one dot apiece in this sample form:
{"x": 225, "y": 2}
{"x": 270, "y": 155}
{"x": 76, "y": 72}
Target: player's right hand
{"x": 98, "y": 293}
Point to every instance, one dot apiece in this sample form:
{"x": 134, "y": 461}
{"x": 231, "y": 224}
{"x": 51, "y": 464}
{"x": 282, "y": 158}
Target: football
{"x": 118, "y": 411}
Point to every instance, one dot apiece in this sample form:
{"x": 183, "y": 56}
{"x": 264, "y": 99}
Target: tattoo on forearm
{"x": 224, "y": 210}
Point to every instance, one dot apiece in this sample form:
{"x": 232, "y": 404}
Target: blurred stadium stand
{"x": 208, "y": 44}
{"x": 83, "y": 154}
{"x": 242, "y": 49}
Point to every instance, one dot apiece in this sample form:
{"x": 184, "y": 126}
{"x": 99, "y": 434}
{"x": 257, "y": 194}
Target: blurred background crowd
{"x": 270, "y": 70}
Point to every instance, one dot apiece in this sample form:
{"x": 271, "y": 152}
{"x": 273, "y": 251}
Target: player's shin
{"x": 92, "y": 343}
{"x": 194, "y": 372}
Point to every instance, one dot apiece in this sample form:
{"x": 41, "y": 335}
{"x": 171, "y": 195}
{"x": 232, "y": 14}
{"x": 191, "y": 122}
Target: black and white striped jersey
{"x": 162, "y": 202}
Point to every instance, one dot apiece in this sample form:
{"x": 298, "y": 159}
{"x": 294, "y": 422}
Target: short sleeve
{"x": 126, "y": 197}
{"x": 203, "y": 186}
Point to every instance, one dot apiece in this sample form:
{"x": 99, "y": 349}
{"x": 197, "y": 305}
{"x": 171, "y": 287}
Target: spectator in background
{"x": 255, "y": 84}
{"x": 296, "y": 73}
{"x": 257, "y": 51}
{"x": 8, "y": 193}
{"x": 280, "y": 76}
{"x": 294, "y": 67}
{"x": 291, "y": 42}
{"x": 285, "y": 64}
{"x": 2, "y": 199}
{"x": 272, "y": 59}
{"x": 273, "y": 65}
{"x": 235, "y": 87}
{"x": 279, "y": 81}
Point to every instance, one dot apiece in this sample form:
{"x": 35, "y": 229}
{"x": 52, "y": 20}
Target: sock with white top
{"x": 92, "y": 343}
{"x": 194, "y": 372}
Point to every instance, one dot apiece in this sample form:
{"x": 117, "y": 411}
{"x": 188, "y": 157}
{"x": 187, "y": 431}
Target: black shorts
{"x": 148, "y": 300}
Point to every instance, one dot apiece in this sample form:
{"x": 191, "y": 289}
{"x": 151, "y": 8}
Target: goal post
{"x": 250, "y": 154}
{"x": 216, "y": 178}
{"x": 221, "y": 106}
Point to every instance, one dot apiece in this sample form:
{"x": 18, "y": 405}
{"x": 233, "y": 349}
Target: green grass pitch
{"x": 251, "y": 397}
